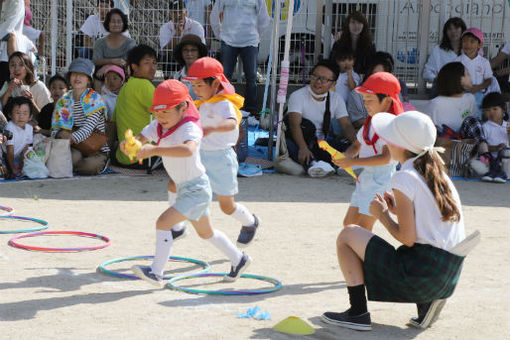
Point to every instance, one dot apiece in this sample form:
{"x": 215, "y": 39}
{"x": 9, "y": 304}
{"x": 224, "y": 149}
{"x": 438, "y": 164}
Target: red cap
{"x": 475, "y": 32}
{"x": 384, "y": 83}
{"x": 208, "y": 67}
{"x": 168, "y": 94}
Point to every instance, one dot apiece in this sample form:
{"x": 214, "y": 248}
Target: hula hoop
{"x": 6, "y": 211}
{"x": 205, "y": 265}
{"x": 277, "y": 285}
{"x": 43, "y": 224}
{"x": 76, "y": 233}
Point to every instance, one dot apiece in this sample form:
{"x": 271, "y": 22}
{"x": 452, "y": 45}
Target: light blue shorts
{"x": 221, "y": 167}
{"x": 193, "y": 198}
{"x": 372, "y": 180}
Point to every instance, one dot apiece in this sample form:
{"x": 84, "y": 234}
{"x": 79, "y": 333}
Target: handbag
{"x": 92, "y": 144}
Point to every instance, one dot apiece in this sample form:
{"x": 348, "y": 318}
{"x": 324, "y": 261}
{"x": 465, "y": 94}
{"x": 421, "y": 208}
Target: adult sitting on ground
{"x": 77, "y": 114}
{"x": 135, "y": 98}
{"x": 189, "y": 49}
{"x": 310, "y": 111}
{"x": 501, "y": 63}
{"x": 112, "y": 49}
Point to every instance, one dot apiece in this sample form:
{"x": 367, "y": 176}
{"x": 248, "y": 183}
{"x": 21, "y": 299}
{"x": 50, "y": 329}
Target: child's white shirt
{"x": 20, "y": 139}
{"x": 180, "y": 169}
{"x": 212, "y": 114}
{"x": 479, "y": 68}
{"x": 495, "y": 134}
{"x": 368, "y": 150}
{"x": 342, "y": 84}
{"x": 430, "y": 228}
{"x": 302, "y": 102}
{"x": 451, "y": 111}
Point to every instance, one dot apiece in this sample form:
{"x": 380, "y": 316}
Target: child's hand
{"x": 390, "y": 202}
{"x": 122, "y": 147}
{"x": 146, "y": 151}
{"x": 207, "y": 130}
{"x": 344, "y": 163}
{"x": 378, "y": 206}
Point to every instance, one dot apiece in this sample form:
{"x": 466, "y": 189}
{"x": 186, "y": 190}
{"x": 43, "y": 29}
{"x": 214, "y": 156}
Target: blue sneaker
{"x": 235, "y": 272}
{"x": 360, "y": 322}
{"x": 249, "y": 170}
{"x": 145, "y": 273}
{"x": 247, "y": 233}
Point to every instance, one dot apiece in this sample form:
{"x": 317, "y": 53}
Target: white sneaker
{"x": 320, "y": 169}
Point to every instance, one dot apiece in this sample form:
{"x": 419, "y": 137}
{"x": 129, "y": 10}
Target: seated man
{"x": 135, "y": 98}
{"x": 171, "y": 33}
{"x": 310, "y": 111}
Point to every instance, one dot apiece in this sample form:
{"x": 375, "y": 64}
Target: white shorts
{"x": 193, "y": 198}
{"x": 373, "y": 179}
{"x": 221, "y": 167}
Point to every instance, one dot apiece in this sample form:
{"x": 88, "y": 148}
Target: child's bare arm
{"x": 225, "y": 125}
{"x": 183, "y": 150}
{"x": 350, "y": 161}
{"x": 482, "y": 86}
{"x": 10, "y": 159}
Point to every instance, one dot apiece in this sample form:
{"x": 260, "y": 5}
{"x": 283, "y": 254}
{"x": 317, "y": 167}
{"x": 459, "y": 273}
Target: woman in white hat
{"x": 429, "y": 223}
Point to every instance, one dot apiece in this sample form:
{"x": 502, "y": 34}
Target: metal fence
{"x": 408, "y": 29}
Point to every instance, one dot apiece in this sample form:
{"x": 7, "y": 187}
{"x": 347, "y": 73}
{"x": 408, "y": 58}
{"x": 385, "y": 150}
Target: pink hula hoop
{"x": 76, "y": 249}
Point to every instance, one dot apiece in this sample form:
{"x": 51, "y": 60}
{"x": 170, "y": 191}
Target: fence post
{"x": 274, "y": 73}
{"x": 69, "y": 33}
{"x": 423, "y": 42}
{"x": 328, "y": 24}
{"x": 54, "y": 28}
{"x": 318, "y": 32}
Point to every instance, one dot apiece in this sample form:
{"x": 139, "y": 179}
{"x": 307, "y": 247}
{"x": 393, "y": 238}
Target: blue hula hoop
{"x": 43, "y": 224}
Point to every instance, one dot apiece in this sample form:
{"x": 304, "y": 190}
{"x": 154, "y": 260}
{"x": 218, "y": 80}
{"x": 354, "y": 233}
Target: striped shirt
{"x": 86, "y": 125}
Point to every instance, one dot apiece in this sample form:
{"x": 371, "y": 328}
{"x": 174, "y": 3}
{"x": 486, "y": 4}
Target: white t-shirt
{"x": 368, "y": 150}
{"x": 94, "y": 28}
{"x": 242, "y": 23}
{"x": 196, "y": 10}
{"x": 451, "y": 111}
{"x": 506, "y": 48}
{"x": 495, "y": 134}
{"x": 31, "y": 33}
{"x": 437, "y": 59}
{"x": 180, "y": 169}
{"x": 167, "y": 31}
{"x": 302, "y": 102}
{"x": 479, "y": 68}
{"x": 25, "y": 45}
{"x": 430, "y": 228}
{"x": 342, "y": 84}
{"x": 20, "y": 137}
{"x": 214, "y": 113}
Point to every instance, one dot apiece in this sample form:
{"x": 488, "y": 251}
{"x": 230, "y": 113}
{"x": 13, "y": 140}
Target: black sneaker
{"x": 179, "y": 234}
{"x": 145, "y": 273}
{"x": 247, "y": 233}
{"x": 360, "y": 322}
{"x": 428, "y": 313}
{"x": 235, "y": 272}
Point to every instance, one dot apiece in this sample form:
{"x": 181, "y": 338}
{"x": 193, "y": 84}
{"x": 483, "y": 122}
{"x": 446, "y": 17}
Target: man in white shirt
{"x": 239, "y": 25}
{"x": 171, "y": 33}
{"x": 309, "y": 120}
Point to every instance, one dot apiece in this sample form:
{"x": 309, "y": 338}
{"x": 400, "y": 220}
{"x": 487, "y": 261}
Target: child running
{"x": 380, "y": 94}
{"x": 177, "y": 134}
{"x": 429, "y": 223}
{"x": 220, "y": 117}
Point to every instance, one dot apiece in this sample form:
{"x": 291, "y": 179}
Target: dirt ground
{"x": 62, "y": 296}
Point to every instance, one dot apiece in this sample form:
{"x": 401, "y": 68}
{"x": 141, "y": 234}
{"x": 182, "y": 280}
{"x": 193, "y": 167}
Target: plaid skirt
{"x": 416, "y": 274}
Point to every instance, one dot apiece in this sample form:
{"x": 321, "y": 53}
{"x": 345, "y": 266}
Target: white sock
{"x": 243, "y": 215}
{"x": 172, "y": 197}
{"x": 164, "y": 242}
{"x": 220, "y": 241}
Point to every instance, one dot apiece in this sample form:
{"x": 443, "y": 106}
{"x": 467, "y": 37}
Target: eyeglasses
{"x": 321, "y": 79}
